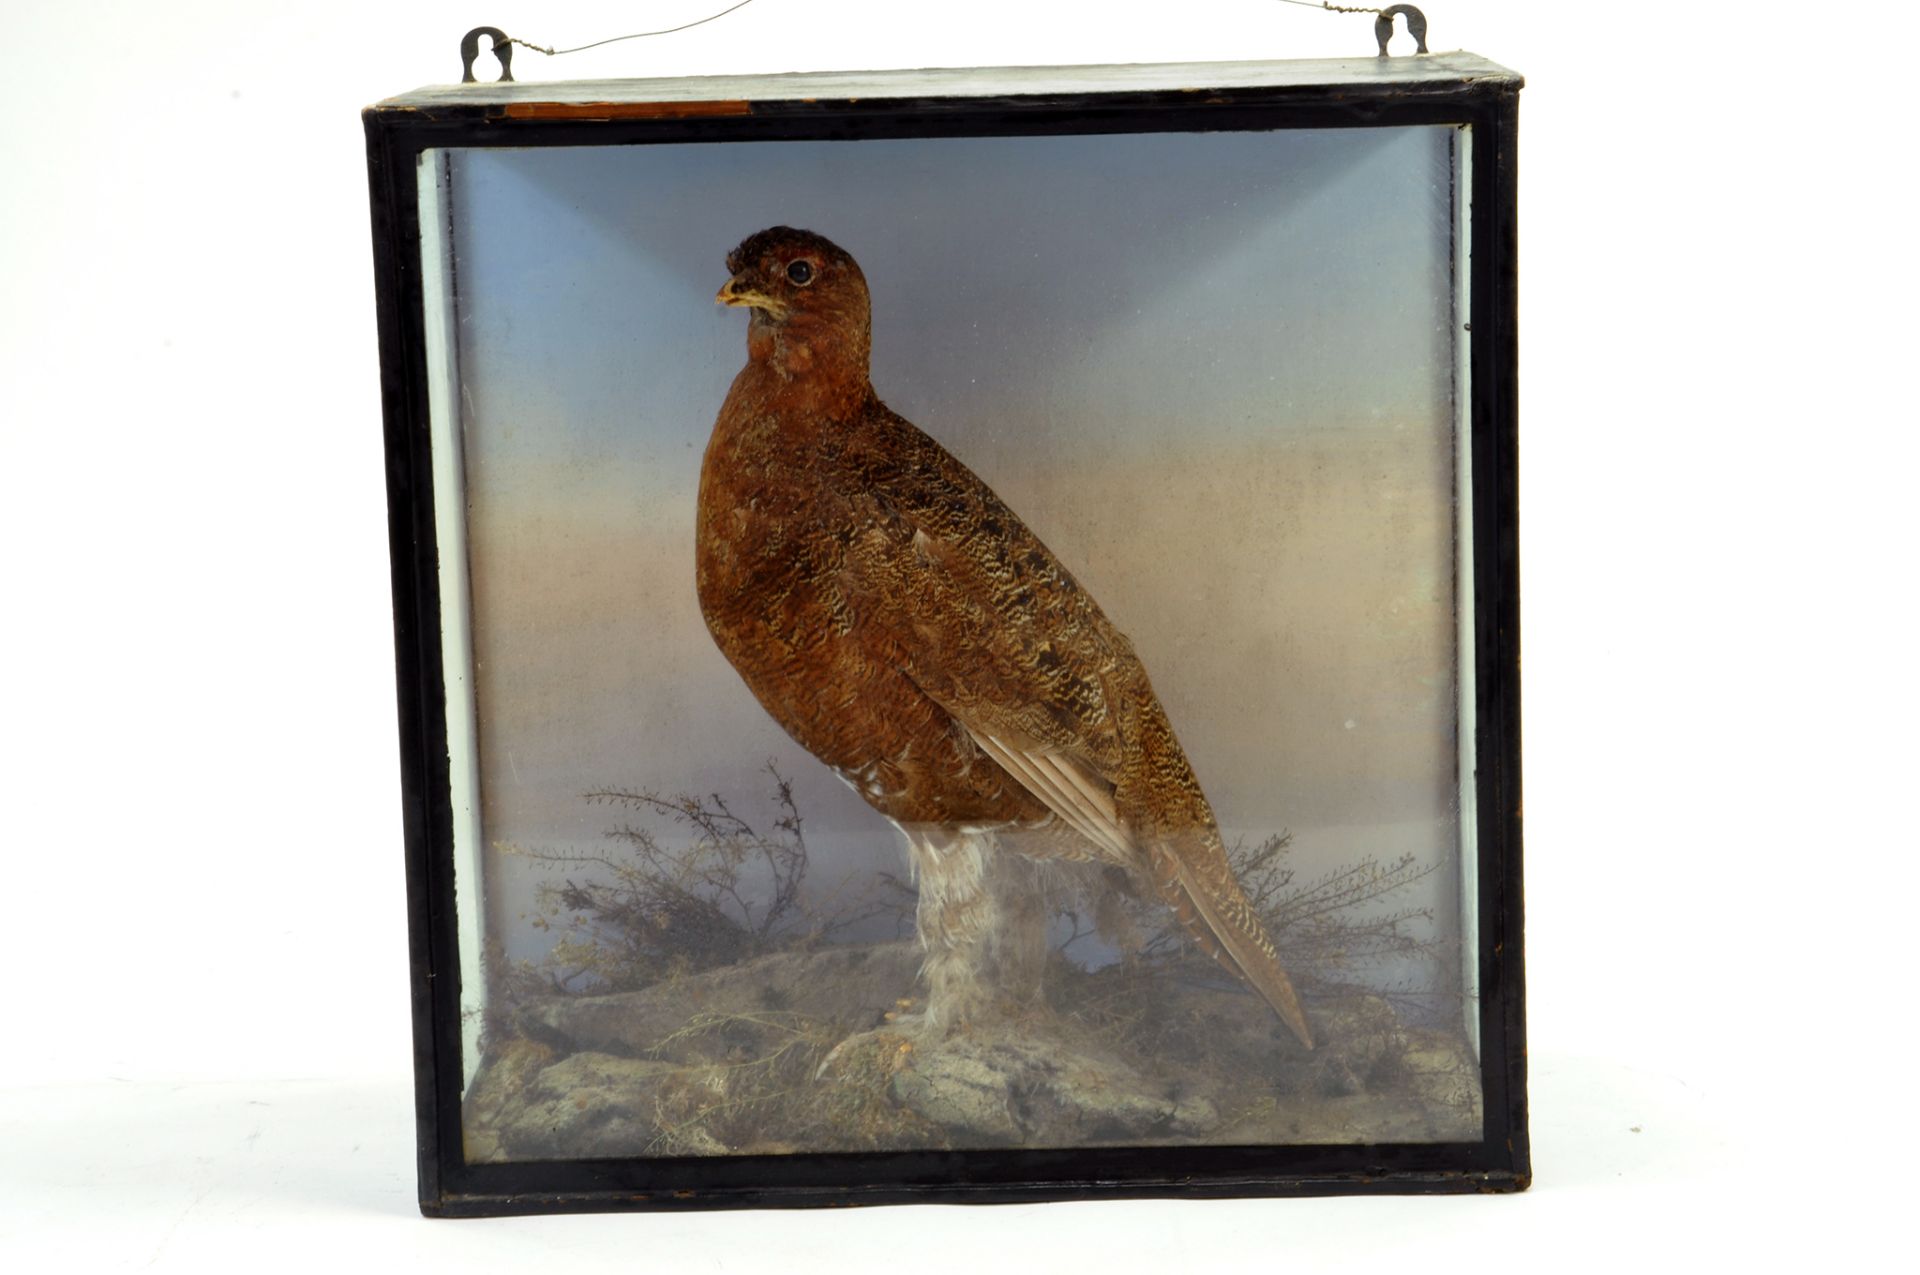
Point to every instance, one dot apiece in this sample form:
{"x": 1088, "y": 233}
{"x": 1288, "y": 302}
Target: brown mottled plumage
{"x": 908, "y": 630}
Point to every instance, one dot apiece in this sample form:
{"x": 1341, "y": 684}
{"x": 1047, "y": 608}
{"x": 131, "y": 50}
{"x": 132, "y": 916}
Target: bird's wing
{"x": 1023, "y": 684}
{"x": 1066, "y": 786}
{"x": 992, "y": 627}
{"x": 994, "y": 630}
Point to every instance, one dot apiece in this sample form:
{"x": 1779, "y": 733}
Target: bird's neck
{"x": 814, "y": 369}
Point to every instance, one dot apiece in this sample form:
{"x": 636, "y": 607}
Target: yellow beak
{"x": 737, "y": 292}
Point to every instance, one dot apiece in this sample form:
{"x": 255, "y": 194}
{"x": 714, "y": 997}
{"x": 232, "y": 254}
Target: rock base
{"x": 811, "y": 1051}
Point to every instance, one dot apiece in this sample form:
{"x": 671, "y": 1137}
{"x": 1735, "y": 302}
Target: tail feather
{"x": 1213, "y": 908}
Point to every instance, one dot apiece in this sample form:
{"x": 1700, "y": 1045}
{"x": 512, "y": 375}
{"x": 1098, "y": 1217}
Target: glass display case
{"x": 958, "y": 632}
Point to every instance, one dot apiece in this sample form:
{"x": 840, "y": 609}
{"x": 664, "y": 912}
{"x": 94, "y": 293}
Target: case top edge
{"x": 1431, "y": 70}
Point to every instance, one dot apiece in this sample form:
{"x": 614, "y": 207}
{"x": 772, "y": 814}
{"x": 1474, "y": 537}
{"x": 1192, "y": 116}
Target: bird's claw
{"x": 902, "y": 1030}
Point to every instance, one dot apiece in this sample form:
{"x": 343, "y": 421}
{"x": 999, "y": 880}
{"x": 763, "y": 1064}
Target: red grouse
{"x": 904, "y": 626}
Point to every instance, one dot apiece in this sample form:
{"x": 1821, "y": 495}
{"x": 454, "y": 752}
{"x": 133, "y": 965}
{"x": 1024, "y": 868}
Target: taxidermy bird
{"x": 906, "y": 628}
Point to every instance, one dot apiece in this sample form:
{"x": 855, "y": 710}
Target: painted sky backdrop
{"x": 1211, "y": 371}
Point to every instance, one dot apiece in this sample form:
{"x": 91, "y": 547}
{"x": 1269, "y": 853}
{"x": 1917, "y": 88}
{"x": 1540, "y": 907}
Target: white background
{"x": 204, "y": 1057}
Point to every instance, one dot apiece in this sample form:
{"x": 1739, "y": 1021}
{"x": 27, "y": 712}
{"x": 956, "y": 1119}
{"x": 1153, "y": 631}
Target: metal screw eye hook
{"x": 1416, "y": 26}
{"x": 502, "y": 49}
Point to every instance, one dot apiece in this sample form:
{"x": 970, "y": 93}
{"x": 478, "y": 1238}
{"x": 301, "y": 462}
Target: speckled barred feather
{"x": 905, "y": 627}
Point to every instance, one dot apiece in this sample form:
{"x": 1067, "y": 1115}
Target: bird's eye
{"x": 801, "y": 272}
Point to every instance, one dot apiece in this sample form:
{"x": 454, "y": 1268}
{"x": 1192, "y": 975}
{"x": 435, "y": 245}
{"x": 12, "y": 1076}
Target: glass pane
{"x": 829, "y": 811}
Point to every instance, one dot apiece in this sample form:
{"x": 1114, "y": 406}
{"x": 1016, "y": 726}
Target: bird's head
{"x": 810, "y": 310}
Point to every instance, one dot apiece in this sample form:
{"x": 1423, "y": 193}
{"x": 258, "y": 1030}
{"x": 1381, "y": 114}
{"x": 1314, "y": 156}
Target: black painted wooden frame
{"x": 397, "y": 134}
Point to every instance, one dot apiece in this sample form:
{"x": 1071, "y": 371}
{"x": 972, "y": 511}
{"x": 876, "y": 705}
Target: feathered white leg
{"x": 982, "y": 921}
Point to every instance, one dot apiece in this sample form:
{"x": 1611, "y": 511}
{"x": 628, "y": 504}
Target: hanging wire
{"x": 1333, "y": 8}
{"x": 715, "y": 17}
{"x": 502, "y": 42}
{"x": 1382, "y": 22}
{"x": 637, "y": 35}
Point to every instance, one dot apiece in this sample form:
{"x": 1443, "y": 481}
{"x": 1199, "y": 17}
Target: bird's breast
{"x": 769, "y": 547}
